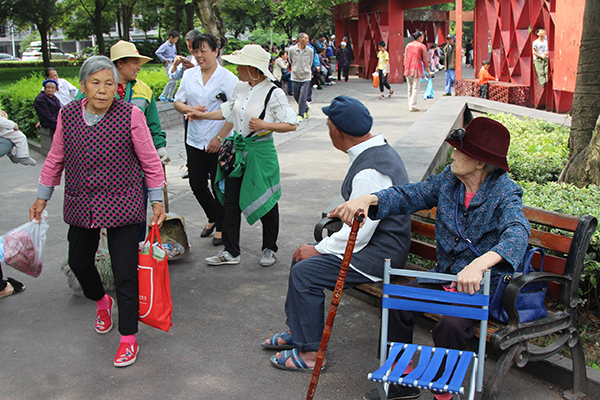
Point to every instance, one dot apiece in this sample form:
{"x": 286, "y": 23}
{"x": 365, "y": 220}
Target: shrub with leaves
{"x": 538, "y": 149}
{"x": 17, "y": 102}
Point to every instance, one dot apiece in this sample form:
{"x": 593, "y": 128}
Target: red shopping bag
{"x": 154, "y": 284}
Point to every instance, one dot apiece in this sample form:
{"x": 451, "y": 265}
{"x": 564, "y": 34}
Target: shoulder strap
{"x": 264, "y": 111}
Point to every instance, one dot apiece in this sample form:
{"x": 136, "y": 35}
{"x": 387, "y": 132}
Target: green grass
{"x": 8, "y": 76}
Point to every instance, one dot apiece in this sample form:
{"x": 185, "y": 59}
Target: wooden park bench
{"x": 565, "y": 239}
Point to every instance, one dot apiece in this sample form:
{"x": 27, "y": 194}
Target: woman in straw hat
{"x": 256, "y": 191}
{"x": 479, "y": 225}
{"x": 105, "y": 149}
{"x": 208, "y": 85}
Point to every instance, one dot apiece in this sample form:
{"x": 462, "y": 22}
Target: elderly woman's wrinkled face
{"x": 53, "y": 75}
{"x": 50, "y": 89}
{"x": 463, "y": 165}
{"x": 99, "y": 89}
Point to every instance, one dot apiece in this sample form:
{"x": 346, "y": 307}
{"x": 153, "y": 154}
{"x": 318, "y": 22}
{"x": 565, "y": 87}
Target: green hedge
{"x": 39, "y": 64}
{"x": 538, "y": 149}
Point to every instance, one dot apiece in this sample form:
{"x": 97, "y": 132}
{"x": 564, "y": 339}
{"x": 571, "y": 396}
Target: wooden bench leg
{"x": 491, "y": 389}
{"x": 579, "y": 370}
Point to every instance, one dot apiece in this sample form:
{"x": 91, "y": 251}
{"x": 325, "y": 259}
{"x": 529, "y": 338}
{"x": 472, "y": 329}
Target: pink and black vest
{"x": 103, "y": 175}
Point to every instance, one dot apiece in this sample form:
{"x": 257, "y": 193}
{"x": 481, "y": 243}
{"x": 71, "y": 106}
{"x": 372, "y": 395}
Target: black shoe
{"x": 396, "y": 392}
{"x": 207, "y": 231}
{"x": 217, "y": 241}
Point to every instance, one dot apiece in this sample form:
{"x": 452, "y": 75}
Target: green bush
{"x": 17, "y": 101}
{"x": 569, "y": 199}
{"x": 39, "y": 64}
{"x": 538, "y": 149}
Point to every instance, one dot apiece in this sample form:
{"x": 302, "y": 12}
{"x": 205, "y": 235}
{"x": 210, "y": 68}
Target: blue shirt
{"x": 166, "y": 52}
{"x": 494, "y": 220}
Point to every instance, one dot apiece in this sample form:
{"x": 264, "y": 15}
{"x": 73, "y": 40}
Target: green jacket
{"x": 257, "y": 164}
{"x": 138, "y": 93}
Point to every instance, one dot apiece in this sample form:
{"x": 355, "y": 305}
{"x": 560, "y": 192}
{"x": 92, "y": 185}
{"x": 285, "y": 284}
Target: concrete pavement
{"x": 49, "y": 350}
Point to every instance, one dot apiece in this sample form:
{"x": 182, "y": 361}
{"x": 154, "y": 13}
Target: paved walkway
{"x": 49, "y": 350}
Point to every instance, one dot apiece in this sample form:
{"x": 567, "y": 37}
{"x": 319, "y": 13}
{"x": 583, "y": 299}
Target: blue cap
{"x": 47, "y": 81}
{"x": 349, "y": 116}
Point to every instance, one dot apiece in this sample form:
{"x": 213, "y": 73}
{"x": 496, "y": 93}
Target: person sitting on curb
{"x": 374, "y": 165}
{"x": 10, "y": 131}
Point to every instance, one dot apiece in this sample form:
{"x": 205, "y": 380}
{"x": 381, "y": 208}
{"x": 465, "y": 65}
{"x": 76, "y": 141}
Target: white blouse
{"x": 193, "y": 92}
{"x": 248, "y": 102}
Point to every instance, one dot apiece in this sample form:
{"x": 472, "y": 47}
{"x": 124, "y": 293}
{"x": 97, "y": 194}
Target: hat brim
{"x": 502, "y": 164}
{"x": 241, "y": 60}
{"x": 143, "y": 59}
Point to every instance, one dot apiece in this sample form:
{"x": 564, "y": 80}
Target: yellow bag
{"x": 376, "y": 79}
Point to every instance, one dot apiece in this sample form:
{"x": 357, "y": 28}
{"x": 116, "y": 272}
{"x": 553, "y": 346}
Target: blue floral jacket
{"x": 494, "y": 220}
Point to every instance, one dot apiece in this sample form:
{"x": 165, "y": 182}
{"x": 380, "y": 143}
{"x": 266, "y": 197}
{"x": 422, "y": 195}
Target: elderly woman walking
{"x": 256, "y": 110}
{"x": 105, "y": 148}
{"x": 479, "y": 225}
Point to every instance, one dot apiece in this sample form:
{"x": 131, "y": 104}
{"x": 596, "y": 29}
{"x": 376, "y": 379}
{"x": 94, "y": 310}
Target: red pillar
{"x": 396, "y": 41}
{"x": 339, "y": 32}
{"x": 459, "y": 35}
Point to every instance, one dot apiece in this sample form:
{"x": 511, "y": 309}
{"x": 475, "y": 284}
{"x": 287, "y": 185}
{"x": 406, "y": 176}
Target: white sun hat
{"x": 254, "y": 56}
{"x": 123, "y": 49}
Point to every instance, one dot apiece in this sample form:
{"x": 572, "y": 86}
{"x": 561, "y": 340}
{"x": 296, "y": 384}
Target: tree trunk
{"x": 179, "y": 5}
{"x": 119, "y": 25}
{"x": 126, "y": 15}
{"x": 583, "y": 165}
{"x": 210, "y": 17}
{"x": 189, "y": 17}
{"x": 43, "y": 30}
{"x": 100, "y": 5}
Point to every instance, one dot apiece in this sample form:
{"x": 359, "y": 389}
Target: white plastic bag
{"x": 22, "y": 247}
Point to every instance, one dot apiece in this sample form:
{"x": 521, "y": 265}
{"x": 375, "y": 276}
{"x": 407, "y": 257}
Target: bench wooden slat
{"x": 553, "y": 241}
{"x": 422, "y": 228}
{"x": 551, "y": 218}
{"x": 423, "y": 249}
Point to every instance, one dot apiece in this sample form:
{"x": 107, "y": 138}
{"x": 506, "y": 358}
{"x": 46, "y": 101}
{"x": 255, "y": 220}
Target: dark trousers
{"x": 449, "y": 332}
{"x": 301, "y": 91}
{"x": 305, "y": 302}
{"x": 383, "y": 81}
{"x": 343, "y": 69}
{"x": 483, "y": 90}
{"x": 123, "y": 249}
{"x": 233, "y": 219}
{"x": 2, "y": 281}
{"x": 202, "y": 166}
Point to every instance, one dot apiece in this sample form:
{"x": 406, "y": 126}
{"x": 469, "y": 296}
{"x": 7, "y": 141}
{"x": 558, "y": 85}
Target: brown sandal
{"x": 17, "y": 287}
{"x": 391, "y": 93}
{"x": 381, "y": 97}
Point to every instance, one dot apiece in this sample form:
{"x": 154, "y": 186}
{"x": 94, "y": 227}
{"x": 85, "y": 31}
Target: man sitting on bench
{"x": 479, "y": 225}
{"x": 374, "y": 165}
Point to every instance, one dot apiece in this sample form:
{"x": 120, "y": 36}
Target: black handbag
{"x": 226, "y": 154}
{"x": 530, "y": 300}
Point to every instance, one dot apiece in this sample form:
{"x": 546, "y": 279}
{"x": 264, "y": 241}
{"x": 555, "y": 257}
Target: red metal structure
{"x": 507, "y": 26}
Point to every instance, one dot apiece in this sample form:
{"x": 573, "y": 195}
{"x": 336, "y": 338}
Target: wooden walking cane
{"x": 359, "y": 216}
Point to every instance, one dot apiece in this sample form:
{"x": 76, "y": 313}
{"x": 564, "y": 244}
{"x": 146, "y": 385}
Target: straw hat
{"x": 254, "y": 56}
{"x": 123, "y": 49}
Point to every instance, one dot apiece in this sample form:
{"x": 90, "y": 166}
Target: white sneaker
{"x": 222, "y": 258}
{"x": 268, "y": 258}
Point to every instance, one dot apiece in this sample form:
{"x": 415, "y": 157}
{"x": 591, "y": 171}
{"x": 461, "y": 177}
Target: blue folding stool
{"x": 431, "y": 359}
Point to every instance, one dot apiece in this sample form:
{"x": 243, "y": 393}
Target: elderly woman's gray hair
{"x": 95, "y": 64}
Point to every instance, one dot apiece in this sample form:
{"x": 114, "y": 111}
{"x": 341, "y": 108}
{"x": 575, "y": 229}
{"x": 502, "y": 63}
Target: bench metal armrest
{"x": 515, "y": 286}
{"x": 331, "y": 224}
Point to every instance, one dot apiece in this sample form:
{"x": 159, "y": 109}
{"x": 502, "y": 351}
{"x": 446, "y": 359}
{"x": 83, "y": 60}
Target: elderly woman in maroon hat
{"x": 475, "y": 200}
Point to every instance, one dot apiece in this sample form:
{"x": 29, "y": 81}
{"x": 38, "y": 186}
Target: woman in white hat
{"x": 257, "y": 109}
{"x": 207, "y": 85}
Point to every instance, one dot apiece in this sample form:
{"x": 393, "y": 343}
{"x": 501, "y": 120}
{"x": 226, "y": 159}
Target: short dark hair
{"x": 417, "y": 35}
{"x": 485, "y": 62}
{"x": 174, "y": 34}
{"x": 208, "y": 38}
{"x": 48, "y": 70}
{"x": 537, "y": 31}
{"x": 381, "y": 43}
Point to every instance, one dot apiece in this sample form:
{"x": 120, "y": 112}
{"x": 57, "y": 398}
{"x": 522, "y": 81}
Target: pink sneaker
{"x": 126, "y": 354}
{"x": 104, "y": 321}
